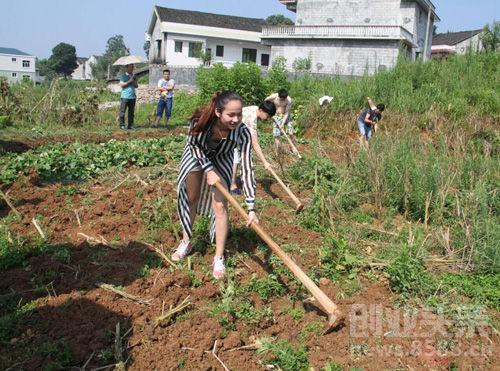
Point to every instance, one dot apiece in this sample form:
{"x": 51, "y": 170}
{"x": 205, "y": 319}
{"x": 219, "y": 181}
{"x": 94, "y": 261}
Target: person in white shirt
{"x": 166, "y": 87}
{"x": 251, "y": 115}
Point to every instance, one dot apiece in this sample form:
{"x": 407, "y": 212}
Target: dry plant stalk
{"x": 124, "y": 294}
{"x": 96, "y": 241}
{"x": 214, "y": 353}
{"x": 119, "y": 184}
{"x": 161, "y": 254}
{"x": 140, "y": 180}
{"x": 7, "y": 201}
{"x": 165, "y": 317}
{"x": 78, "y": 218}
{"x": 37, "y": 226}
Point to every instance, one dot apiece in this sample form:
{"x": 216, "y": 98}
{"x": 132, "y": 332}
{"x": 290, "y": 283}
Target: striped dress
{"x": 198, "y": 156}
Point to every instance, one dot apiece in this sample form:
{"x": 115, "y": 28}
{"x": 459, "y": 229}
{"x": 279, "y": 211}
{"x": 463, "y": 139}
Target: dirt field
{"x": 99, "y": 232}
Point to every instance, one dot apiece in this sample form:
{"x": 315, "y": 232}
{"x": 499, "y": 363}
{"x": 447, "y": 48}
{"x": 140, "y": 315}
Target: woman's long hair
{"x": 205, "y": 114}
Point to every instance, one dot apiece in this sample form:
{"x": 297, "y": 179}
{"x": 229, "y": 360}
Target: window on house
{"x": 14, "y": 59}
{"x": 26, "y": 78}
{"x": 264, "y": 60}
{"x": 219, "y": 51}
{"x": 194, "y": 50}
{"x": 178, "y": 46}
{"x": 158, "y": 48}
{"x": 14, "y": 74}
{"x": 26, "y": 64}
{"x": 249, "y": 55}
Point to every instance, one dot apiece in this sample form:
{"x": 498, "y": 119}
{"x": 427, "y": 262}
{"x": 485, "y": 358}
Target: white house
{"x": 177, "y": 36}
{"x": 354, "y": 37}
{"x": 456, "y": 43}
{"x": 84, "y": 69}
{"x": 16, "y": 65}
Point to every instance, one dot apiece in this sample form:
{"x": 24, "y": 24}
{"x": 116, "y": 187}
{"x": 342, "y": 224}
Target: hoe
{"x": 335, "y": 315}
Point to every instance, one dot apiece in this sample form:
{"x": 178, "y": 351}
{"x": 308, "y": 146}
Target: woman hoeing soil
{"x": 216, "y": 130}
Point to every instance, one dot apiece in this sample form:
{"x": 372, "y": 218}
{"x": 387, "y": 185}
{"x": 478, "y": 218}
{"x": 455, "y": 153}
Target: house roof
{"x": 81, "y": 59}
{"x": 12, "y": 51}
{"x": 208, "y": 19}
{"x": 453, "y": 38}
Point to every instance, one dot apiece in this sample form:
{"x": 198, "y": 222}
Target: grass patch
{"x": 285, "y": 355}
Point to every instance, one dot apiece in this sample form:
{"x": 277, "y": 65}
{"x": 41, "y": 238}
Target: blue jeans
{"x": 165, "y": 104}
{"x": 365, "y": 129}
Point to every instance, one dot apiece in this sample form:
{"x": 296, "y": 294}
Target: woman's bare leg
{"x": 193, "y": 188}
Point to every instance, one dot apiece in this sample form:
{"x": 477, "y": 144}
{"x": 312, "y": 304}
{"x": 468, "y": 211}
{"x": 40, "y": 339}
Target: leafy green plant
{"x": 57, "y": 354}
{"x": 408, "y": 277}
{"x": 248, "y": 313}
{"x": 285, "y": 356}
{"x": 337, "y": 259}
{"x": 277, "y": 76}
{"x": 79, "y": 161}
{"x": 302, "y": 64}
{"x": 267, "y": 287}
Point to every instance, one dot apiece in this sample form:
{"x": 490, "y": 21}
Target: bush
{"x": 408, "y": 277}
{"x": 277, "y": 77}
{"x": 243, "y": 78}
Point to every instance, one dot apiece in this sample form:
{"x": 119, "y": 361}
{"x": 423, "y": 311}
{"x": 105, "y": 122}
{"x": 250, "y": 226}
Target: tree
{"x": 302, "y": 64}
{"x": 46, "y": 68}
{"x": 490, "y": 37}
{"x": 279, "y": 20}
{"x": 63, "y": 59}
{"x": 145, "y": 47}
{"x": 434, "y": 30}
{"x": 115, "y": 48}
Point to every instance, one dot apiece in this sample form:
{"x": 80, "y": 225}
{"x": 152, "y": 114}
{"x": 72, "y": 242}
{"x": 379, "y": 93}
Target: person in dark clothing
{"x": 367, "y": 121}
{"x": 128, "y": 83}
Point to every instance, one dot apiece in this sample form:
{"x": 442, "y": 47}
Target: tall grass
{"x": 457, "y": 86}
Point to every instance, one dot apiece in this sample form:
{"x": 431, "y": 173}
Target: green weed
{"x": 285, "y": 356}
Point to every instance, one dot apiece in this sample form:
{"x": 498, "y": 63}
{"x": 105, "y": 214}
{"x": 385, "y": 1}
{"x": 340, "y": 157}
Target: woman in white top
{"x": 251, "y": 115}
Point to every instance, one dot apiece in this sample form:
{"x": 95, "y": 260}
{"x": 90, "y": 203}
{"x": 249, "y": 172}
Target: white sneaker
{"x": 219, "y": 267}
{"x": 182, "y": 251}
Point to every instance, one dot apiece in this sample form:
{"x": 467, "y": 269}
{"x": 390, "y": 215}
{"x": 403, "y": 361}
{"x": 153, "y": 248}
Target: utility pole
{"x": 427, "y": 31}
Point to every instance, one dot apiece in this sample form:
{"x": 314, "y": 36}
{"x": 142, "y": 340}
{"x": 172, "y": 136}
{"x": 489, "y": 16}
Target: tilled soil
{"x": 73, "y": 309}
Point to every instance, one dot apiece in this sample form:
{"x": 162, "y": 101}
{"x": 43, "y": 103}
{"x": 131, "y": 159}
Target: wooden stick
{"x": 331, "y": 309}
{"x": 298, "y": 205}
{"x": 78, "y": 218}
{"x": 214, "y": 352}
{"x": 124, "y": 294}
{"x": 37, "y": 226}
{"x": 7, "y": 201}
{"x": 294, "y": 149}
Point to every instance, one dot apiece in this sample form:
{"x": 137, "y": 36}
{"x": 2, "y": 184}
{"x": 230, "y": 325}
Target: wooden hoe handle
{"x": 328, "y": 305}
{"x": 298, "y": 204}
{"x": 295, "y": 150}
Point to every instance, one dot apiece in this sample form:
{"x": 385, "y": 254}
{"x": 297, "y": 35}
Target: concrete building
{"x": 444, "y": 44}
{"x": 84, "y": 69}
{"x": 17, "y": 66}
{"x": 355, "y": 37}
{"x": 178, "y": 36}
